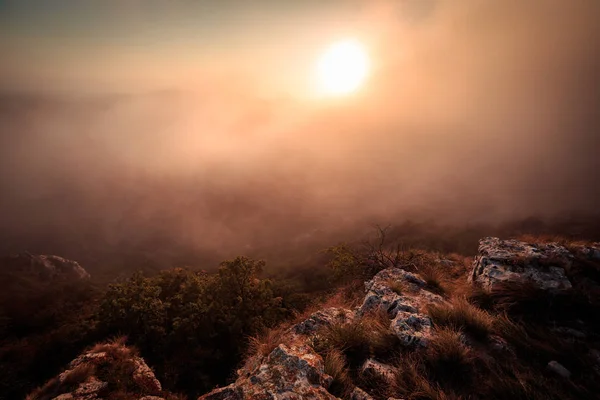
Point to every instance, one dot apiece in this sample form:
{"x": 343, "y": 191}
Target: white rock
{"x": 359, "y": 394}
{"x": 373, "y": 368}
{"x": 412, "y": 329}
{"x": 557, "y": 368}
{"x": 514, "y": 261}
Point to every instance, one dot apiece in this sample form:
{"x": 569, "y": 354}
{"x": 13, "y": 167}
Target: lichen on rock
{"x": 501, "y": 261}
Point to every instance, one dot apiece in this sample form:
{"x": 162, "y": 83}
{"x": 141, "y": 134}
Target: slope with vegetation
{"x": 516, "y": 322}
{"x": 522, "y": 323}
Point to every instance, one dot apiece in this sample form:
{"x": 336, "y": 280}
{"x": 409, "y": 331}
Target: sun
{"x": 342, "y": 68}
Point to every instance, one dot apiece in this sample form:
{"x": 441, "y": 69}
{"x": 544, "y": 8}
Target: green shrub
{"x": 192, "y": 326}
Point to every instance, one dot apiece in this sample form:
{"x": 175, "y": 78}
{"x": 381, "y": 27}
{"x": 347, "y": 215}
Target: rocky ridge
{"x": 294, "y": 369}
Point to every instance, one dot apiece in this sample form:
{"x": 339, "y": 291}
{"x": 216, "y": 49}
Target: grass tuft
{"x": 263, "y": 344}
{"x": 54, "y": 387}
{"x": 433, "y": 277}
{"x": 368, "y": 337}
{"x": 448, "y": 360}
{"x": 462, "y": 315}
{"x": 337, "y": 367}
{"x": 397, "y": 286}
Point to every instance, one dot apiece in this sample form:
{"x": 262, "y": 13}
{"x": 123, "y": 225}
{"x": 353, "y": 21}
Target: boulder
{"x": 402, "y": 295}
{"x": 144, "y": 377}
{"x": 502, "y": 261}
{"x": 45, "y": 267}
{"x": 559, "y": 369}
{"x": 90, "y": 376}
{"x": 392, "y": 290}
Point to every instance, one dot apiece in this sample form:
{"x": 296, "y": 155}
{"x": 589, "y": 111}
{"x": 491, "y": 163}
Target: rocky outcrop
{"x": 403, "y": 297}
{"x": 46, "y": 267}
{"x": 100, "y": 371}
{"x": 291, "y": 371}
{"x": 587, "y": 251}
{"x": 293, "y": 367}
{"x": 295, "y": 371}
{"x": 542, "y": 265}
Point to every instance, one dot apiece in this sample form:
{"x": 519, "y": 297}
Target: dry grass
{"x": 434, "y": 277}
{"x": 536, "y": 342}
{"x": 561, "y": 240}
{"x": 54, "y": 387}
{"x": 347, "y": 297}
{"x": 368, "y": 337}
{"x": 337, "y": 367}
{"x": 116, "y": 369}
{"x": 411, "y": 381}
{"x": 448, "y": 360}
{"x": 397, "y": 287}
{"x": 263, "y": 344}
{"x": 462, "y": 315}
{"x": 352, "y": 340}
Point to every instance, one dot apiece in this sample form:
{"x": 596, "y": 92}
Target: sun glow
{"x": 342, "y": 68}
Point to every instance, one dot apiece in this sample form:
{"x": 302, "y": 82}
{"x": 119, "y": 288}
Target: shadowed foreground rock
{"x": 292, "y": 371}
{"x": 100, "y": 372}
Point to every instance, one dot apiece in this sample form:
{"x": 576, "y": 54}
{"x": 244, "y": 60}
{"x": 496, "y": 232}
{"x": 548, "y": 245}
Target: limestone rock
{"x": 359, "y": 394}
{"x": 413, "y": 329}
{"x": 393, "y": 290}
{"x": 292, "y": 371}
{"x": 590, "y": 252}
{"x": 90, "y": 376}
{"x": 514, "y": 261}
{"x": 557, "y": 368}
{"x": 375, "y": 369}
{"x": 46, "y": 267}
{"x": 323, "y": 318}
{"x": 144, "y": 377}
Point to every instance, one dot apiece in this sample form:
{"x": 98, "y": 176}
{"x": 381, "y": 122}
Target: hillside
{"x": 518, "y": 321}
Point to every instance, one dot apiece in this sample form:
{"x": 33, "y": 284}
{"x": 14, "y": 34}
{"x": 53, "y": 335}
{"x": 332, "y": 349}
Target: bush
{"x": 193, "y": 327}
{"x": 347, "y": 264}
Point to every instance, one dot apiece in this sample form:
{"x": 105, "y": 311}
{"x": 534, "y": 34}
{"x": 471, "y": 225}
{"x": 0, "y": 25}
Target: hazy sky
{"x": 473, "y": 110}
{"x": 103, "y": 44}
